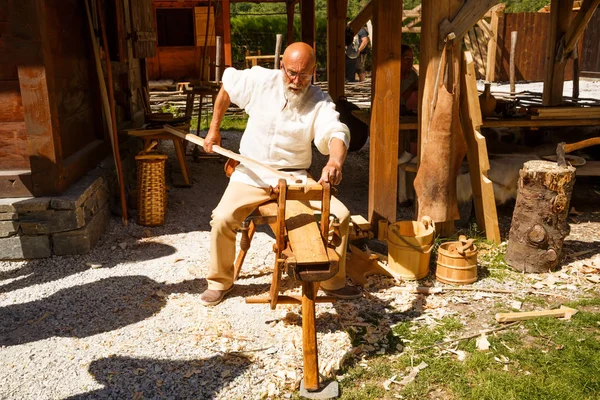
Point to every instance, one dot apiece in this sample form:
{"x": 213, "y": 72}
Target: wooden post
{"x": 308, "y": 22}
{"x": 513, "y": 50}
{"x": 226, "y": 15}
{"x": 219, "y": 60}
{"x": 362, "y": 17}
{"x": 575, "y": 73}
{"x": 539, "y": 224}
{"x": 497, "y": 16}
{"x": 290, "y": 22}
{"x": 309, "y": 337}
{"x": 278, "y": 41}
{"x": 470, "y": 116}
{"x": 560, "y": 16}
{"x": 336, "y": 58}
{"x": 385, "y": 123}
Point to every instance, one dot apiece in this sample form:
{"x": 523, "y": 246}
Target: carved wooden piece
{"x": 539, "y": 225}
{"x": 470, "y": 116}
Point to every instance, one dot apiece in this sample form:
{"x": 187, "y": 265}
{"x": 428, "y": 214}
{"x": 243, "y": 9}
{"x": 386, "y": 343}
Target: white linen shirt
{"x": 277, "y": 135}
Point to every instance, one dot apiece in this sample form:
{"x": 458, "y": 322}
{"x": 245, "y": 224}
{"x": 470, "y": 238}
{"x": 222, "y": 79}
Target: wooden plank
{"x": 560, "y": 16}
{"x": 578, "y": 25}
{"x": 513, "y": 123}
{"x": 226, "y": 16}
{"x": 483, "y": 191}
{"x": 360, "y": 222}
{"x": 336, "y": 60}
{"x": 562, "y": 312}
{"x": 14, "y": 154}
{"x": 385, "y": 111}
{"x": 470, "y": 12}
{"x": 303, "y": 234}
{"x": 591, "y": 168}
{"x": 496, "y": 11}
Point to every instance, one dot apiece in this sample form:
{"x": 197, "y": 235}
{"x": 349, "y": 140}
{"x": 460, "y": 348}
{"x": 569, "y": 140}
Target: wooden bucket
{"x": 409, "y": 248}
{"x": 456, "y": 268}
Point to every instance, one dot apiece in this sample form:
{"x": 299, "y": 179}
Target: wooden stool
{"x": 160, "y": 134}
{"x": 303, "y": 251}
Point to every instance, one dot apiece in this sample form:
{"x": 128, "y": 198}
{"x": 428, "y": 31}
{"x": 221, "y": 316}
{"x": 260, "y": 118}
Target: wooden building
{"x": 186, "y": 32}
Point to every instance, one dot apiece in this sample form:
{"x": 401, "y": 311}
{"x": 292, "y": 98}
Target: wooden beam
{"x": 308, "y": 22}
{"x": 362, "y": 17}
{"x": 497, "y": 15}
{"x": 562, "y": 312}
{"x": 470, "y": 116}
{"x": 578, "y": 25}
{"x": 383, "y": 174}
{"x": 560, "y": 16}
{"x": 290, "y": 22}
{"x": 471, "y": 12}
{"x": 336, "y": 59}
{"x": 39, "y": 101}
{"x": 226, "y": 15}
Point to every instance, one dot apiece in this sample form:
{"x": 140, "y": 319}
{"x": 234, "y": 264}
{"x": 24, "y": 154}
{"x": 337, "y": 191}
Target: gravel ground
{"x": 124, "y": 321}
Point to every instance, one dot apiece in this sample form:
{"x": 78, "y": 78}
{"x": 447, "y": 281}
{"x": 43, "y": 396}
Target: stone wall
{"x": 38, "y": 227}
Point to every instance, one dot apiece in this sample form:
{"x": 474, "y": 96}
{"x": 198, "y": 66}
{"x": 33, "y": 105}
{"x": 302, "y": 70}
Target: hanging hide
{"x": 442, "y": 154}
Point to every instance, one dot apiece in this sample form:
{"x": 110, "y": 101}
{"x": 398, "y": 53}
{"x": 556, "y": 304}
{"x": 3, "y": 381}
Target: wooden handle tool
{"x": 228, "y": 153}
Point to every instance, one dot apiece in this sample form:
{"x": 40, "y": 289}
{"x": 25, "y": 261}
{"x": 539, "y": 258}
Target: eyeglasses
{"x": 293, "y": 74}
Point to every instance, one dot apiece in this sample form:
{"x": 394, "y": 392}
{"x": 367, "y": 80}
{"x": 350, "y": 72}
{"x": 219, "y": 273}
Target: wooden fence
{"x": 530, "y": 56}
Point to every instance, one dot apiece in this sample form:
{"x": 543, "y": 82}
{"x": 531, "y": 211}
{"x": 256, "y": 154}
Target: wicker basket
{"x": 151, "y": 189}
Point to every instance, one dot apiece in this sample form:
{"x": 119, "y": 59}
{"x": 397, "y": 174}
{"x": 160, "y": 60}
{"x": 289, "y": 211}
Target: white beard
{"x": 295, "y": 99}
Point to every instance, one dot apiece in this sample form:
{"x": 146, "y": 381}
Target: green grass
{"x": 230, "y": 123}
{"x": 547, "y": 359}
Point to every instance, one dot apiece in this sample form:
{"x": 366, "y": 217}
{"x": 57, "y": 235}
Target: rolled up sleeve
{"x": 328, "y": 126}
{"x": 239, "y": 85}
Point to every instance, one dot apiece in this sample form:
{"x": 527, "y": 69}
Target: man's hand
{"x": 213, "y": 137}
{"x": 332, "y": 173}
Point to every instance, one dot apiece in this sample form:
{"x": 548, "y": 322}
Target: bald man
{"x": 286, "y": 113}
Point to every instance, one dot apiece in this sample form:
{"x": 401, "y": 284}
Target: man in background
{"x": 363, "y": 43}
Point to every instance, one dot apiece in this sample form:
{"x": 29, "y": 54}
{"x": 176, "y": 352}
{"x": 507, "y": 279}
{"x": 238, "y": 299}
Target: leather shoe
{"x": 212, "y": 297}
{"x": 345, "y": 293}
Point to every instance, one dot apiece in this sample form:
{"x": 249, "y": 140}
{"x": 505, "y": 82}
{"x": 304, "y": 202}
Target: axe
{"x": 564, "y": 148}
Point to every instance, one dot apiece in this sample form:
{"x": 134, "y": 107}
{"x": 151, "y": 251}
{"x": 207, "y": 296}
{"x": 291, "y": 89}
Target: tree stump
{"x": 539, "y": 224}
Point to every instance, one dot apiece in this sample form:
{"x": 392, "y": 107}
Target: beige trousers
{"x": 237, "y": 203}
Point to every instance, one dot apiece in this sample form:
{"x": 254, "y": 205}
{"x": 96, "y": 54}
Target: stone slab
{"x": 8, "y": 228}
{"x": 51, "y": 221}
{"x": 31, "y": 204}
{"x": 328, "y": 390}
{"x": 78, "y": 192}
{"x": 25, "y": 247}
{"x": 8, "y": 216}
{"x": 82, "y": 240}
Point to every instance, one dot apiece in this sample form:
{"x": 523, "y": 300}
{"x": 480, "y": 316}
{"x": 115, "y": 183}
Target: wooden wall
{"x": 13, "y": 139}
{"x": 51, "y": 132}
{"x": 533, "y": 30}
{"x": 590, "y": 52}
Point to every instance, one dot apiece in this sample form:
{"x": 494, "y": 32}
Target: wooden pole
{"x": 308, "y": 22}
{"x": 309, "y": 337}
{"x": 513, "y": 50}
{"x": 278, "y": 41}
{"x": 108, "y": 103}
{"x": 219, "y": 60}
{"x": 336, "y": 58}
{"x": 385, "y": 121}
{"x": 575, "y": 73}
